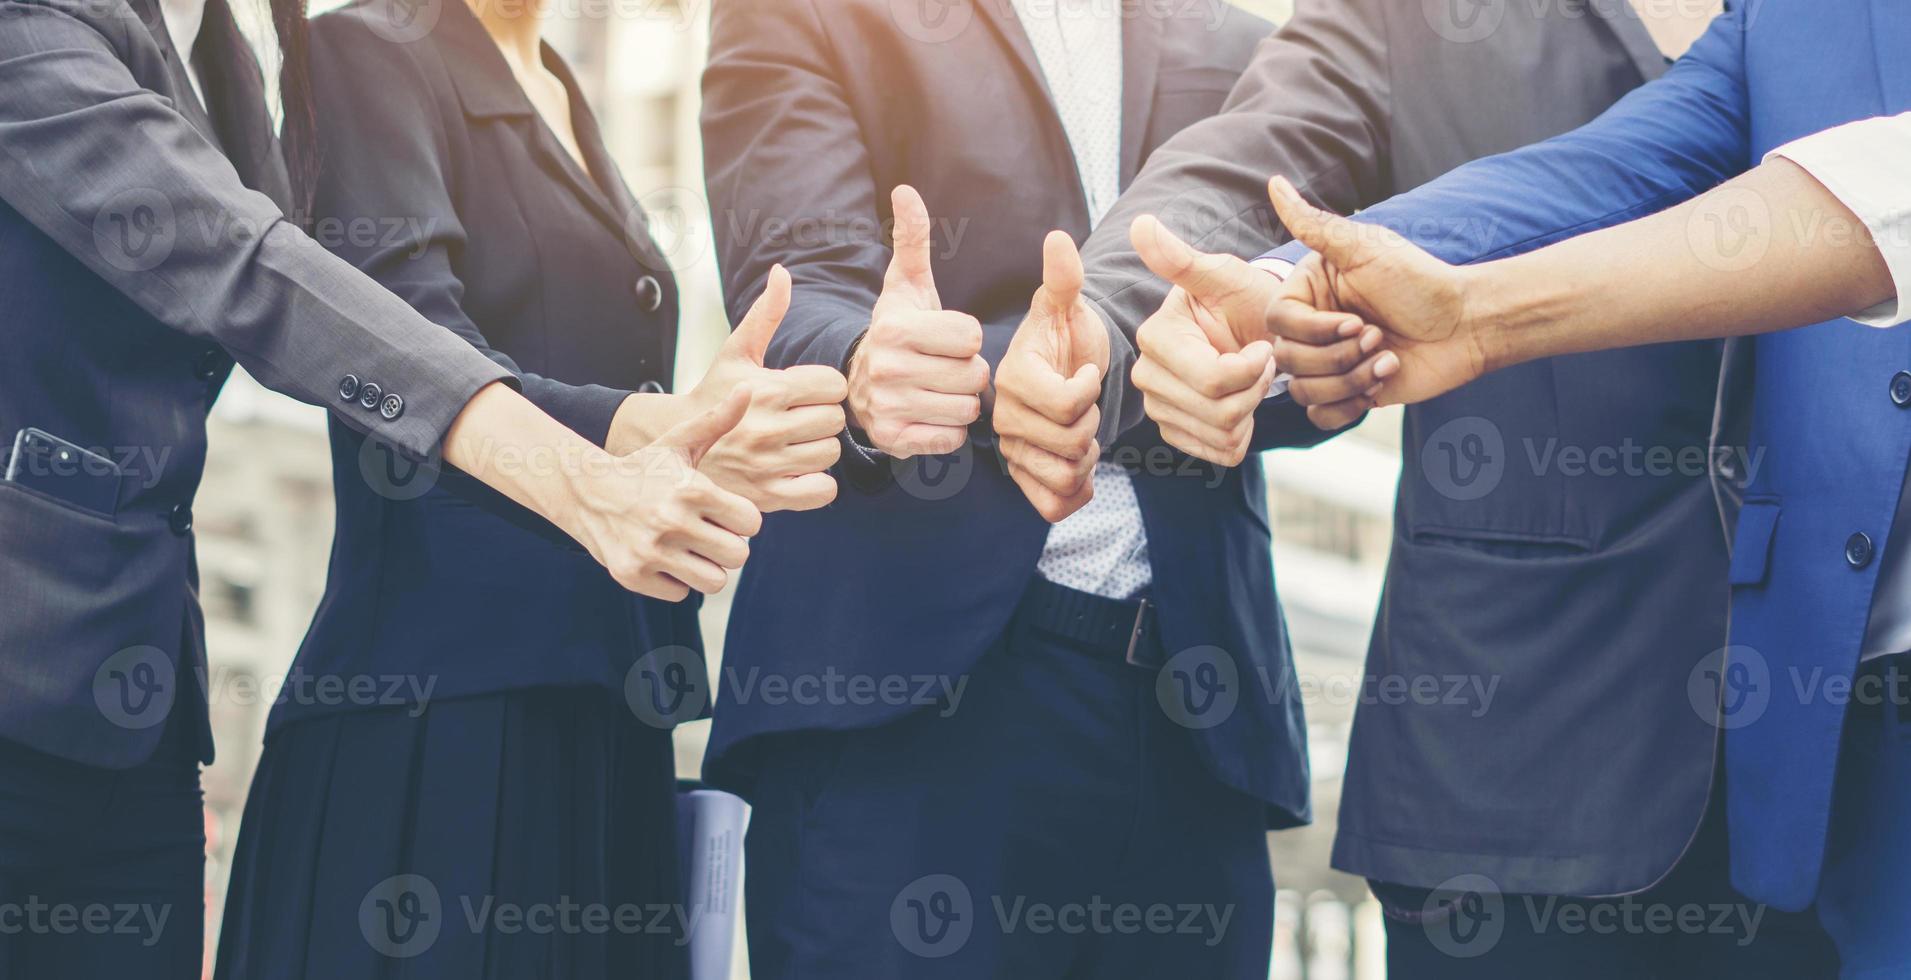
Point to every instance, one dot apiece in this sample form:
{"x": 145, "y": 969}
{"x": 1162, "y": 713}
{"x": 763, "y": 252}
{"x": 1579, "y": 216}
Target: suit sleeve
{"x": 1314, "y": 104}
{"x": 126, "y": 185}
{"x": 1666, "y": 142}
{"x": 385, "y": 154}
{"x": 782, "y": 147}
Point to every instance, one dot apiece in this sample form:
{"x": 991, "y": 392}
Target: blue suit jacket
{"x": 1834, "y": 444}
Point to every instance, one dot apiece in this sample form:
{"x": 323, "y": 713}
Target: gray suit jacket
{"x": 1584, "y": 600}
{"x": 141, "y": 239}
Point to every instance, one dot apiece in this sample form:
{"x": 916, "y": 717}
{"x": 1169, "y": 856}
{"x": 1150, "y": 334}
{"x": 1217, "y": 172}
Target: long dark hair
{"x": 299, "y": 132}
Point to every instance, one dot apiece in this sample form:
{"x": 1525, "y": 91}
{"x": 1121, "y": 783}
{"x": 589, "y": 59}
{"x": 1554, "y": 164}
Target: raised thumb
{"x": 751, "y": 339}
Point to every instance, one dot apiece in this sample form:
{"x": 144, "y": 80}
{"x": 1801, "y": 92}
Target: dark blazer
{"x": 487, "y": 226}
{"x": 812, "y": 112}
{"x": 141, "y": 238}
{"x": 1588, "y": 599}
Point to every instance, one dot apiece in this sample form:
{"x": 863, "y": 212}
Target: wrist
{"x": 642, "y": 418}
{"x": 855, "y": 404}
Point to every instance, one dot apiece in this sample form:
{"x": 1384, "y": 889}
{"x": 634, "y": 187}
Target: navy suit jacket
{"x": 812, "y": 112}
{"x": 1832, "y": 442}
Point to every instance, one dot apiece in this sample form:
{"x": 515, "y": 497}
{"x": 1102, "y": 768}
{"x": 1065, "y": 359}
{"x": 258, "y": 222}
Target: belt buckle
{"x": 1135, "y": 634}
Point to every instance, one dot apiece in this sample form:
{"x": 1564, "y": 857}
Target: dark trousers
{"x": 102, "y": 872}
{"x": 1692, "y": 925}
{"x": 1055, "y": 823}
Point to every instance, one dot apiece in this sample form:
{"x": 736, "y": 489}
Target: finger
{"x": 1338, "y": 415}
{"x": 1061, "y": 272}
{"x": 751, "y": 339}
{"x": 1214, "y": 440}
{"x": 1328, "y": 389}
{"x": 1053, "y": 507}
{"x": 804, "y": 458}
{"x": 659, "y": 586}
{"x": 1060, "y": 400}
{"x": 697, "y": 572}
{"x": 813, "y": 384}
{"x": 1340, "y": 357}
{"x": 695, "y": 436}
{"x": 1186, "y": 354}
{"x": 1074, "y": 442}
{"x": 1337, "y": 239}
{"x": 711, "y": 542}
{"x": 726, "y": 510}
{"x": 807, "y": 492}
{"x": 909, "y": 265}
{"x": 1291, "y": 318}
{"x": 940, "y": 333}
{"x": 810, "y": 423}
{"x": 1223, "y": 282}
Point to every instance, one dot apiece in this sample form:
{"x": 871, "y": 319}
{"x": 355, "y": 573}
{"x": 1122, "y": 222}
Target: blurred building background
{"x": 264, "y": 518}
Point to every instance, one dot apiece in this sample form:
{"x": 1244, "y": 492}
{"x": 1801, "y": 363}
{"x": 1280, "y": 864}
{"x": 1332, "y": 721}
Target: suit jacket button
{"x": 650, "y": 294}
{"x": 369, "y": 395}
{"x": 180, "y": 519}
{"x": 1858, "y": 550}
{"x": 348, "y": 387}
{"x": 650, "y": 388}
{"x": 210, "y": 363}
{"x": 1901, "y": 389}
{"x": 392, "y": 407}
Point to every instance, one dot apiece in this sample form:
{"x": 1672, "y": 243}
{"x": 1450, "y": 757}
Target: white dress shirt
{"x": 183, "y": 19}
{"x": 1867, "y": 166}
{"x": 1103, "y": 547}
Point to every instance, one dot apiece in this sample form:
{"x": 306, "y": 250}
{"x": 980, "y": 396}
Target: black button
{"x": 650, "y": 388}
{"x": 1858, "y": 550}
{"x": 650, "y": 293}
{"x": 1901, "y": 389}
{"x": 392, "y": 407}
{"x": 348, "y": 387}
{"x": 180, "y": 519}
{"x": 210, "y": 364}
{"x": 369, "y": 395}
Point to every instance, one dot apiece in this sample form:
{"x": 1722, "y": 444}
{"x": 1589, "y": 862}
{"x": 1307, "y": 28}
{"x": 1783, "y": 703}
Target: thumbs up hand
{"x": 778, "y": 454}
{"x": 661, "y": 527}
{"x": 917, "y": 376}
{"x": 1048, "y": 389}
{"x": 1420, "y": 303}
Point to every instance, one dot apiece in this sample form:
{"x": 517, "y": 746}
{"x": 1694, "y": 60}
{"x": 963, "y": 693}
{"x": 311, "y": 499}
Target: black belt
{"x": 1113, "y": 629}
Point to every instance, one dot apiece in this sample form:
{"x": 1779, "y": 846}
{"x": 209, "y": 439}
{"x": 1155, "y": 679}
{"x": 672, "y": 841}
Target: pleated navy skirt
{"x": 529, "y": 835}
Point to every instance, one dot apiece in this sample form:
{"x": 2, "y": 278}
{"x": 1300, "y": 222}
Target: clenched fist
{"x": 916, "y": 378}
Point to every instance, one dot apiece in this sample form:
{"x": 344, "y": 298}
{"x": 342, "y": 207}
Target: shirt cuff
{"x": 1291, "y": 253}
{"x": 1862, "y": 164}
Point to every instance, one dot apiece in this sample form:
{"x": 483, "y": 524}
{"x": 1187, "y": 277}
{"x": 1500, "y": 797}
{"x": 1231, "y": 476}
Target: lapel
{"x": 1001, "y": 17}
{"x": 235, "y": 103}
{"x": 182, "y": 95}
{"x": 1625, "y": 24}
{"x": 1141, "y": 28}
{"x": 487, "y": 90}
{"x": 1890, "y": 35}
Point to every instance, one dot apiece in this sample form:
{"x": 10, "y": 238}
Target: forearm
{"x": 1771, "y": 250}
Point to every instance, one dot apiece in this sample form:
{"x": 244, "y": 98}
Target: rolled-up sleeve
{"x": 1866, "y": 165}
